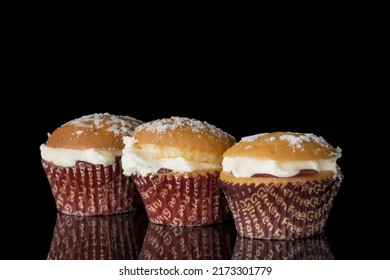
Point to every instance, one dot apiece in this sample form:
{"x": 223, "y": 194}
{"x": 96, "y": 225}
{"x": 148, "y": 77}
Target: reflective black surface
{"x": 212, "y": 242}
{"x": 355, "y": 227}
{"x": 114, "y": 237}
{"x": 130, "y": 237}
{"x": 311, "y": 248}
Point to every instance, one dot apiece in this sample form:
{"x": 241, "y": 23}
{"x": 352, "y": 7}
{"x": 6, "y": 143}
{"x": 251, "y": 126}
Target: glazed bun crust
{"x": 182, "y": 137}
{"x": 97, "y": 131}
{"x": 283, "y": 146}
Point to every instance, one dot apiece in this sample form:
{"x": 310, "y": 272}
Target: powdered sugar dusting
{"x": 119, "y": 125}
{"x": 296, "y": 141}
{"x": 174, "y": 123}
{"x": 337, "y": 153}
{"x": 253, "y": 137}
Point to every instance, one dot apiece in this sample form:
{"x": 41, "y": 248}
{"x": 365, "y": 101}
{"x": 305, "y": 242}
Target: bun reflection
{"x": 312, "y": 248}
{"x": 98, "y": 238}
{"x": 214, "y": 242}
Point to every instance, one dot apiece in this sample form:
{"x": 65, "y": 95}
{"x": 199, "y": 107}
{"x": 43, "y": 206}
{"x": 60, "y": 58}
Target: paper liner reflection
{"x": 98, "y": 238}
{"x": 214, "y": 242}
{"x": 312, "y": 248}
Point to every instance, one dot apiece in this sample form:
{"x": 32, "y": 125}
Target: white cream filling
{"x": 133, "y": 162}
{"x": 68, "y": 157}
{"x": 247, "y": 167}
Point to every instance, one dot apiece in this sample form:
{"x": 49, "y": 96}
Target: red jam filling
{"x": 164, "y": 170}
{"x": 302, "y": 173}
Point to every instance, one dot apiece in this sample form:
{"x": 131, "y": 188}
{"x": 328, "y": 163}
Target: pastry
{"x": 280, "y": 185}
{"x": 82, "y": 160}
{"x": 175, "y": 163}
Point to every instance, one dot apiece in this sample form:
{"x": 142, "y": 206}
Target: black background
{"x": 282, "y": 89}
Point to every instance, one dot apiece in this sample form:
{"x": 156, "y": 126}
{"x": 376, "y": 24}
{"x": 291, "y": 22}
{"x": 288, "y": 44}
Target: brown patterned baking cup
{"x": 281, "y": 211}
{"x": 115, "y": 237}
{"x": 90, "y": 190}
{"x": 213, "y": 242}
{"x": 311, "y": 248}
{"x": 182, "y": 200}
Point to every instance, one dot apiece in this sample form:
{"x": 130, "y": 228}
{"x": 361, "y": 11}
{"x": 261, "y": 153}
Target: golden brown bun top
{"x": 97, "y": 131}
{"x": 284, "y": 146}
{"x": 188, "y": 138}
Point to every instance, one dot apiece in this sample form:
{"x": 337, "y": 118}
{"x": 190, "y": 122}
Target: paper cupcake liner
{"x": 182, "y": 200}
{"x": 90, "y": 190}
{"x": 115, "y": 237}
{"x": 277, "y": 211}
{"x": 311, "y": 248}
{"x": 213, "y": 242}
